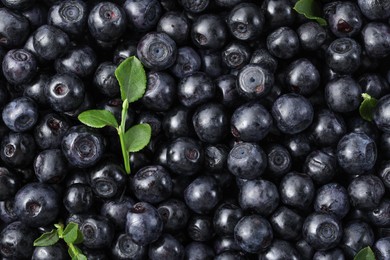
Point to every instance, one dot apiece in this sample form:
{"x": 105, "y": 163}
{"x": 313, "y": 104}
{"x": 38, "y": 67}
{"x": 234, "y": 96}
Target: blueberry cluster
{"x": 258, "y": 150}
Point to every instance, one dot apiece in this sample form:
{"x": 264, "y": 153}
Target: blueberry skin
{"x": 210, "y": 122}
{"x": 82, "y": 146}
{"x": 187, "y": 62}
{"x": 65, "y": 92}
{"x": 195, "y": 89}
{"x": 384, "y": 174}
{"x": 160, "y": 91}
{"x": 283, "y": 43}
{"x": 382, "y": 248}
{"x": 260, "y": 196}
{"x": 302, "y": 77}
{"x": 366, "y": 191}
{"x": 374, "y": 84}
{"x": 343, "y": 94}
{"x": 81, "y": 61}
{"x": 209, "y": 32}
{"x": 376, "y": 38}
{"x": 107, "y": 180}
{"x": 166, "y": 247}
{"x": 332, "y": 198}
{"x": 50, "y": 42}
{"x": 143, "y": 223}
{"x": 253, "y": 233}
{"x": 311, "y": 35}
{"x": 7, "y": 211}
{"x": 225, "y": 243}
{"x": 327, "y": 128}
{"x": 289, "y": 120}
{"x": 35, "y": 89}
{"x": 356, "y": 235}
{"x": 335, "y": 253}
{"x": 16, "y": 241}
{"x": 297, "y": 190}
{"x": 381, "y": 119}
{"x": 320, "y": 166}
{"x": 344, "y": 18}
{"x": 50, "y": 166}
{"x": 304, "y": 249}
{"x": 236, "y": 54}
{"x": 245, "y": 21}
{"x": 279, "y": 161}
{"x": 177, "y": 123}
{"x": 107, "y": 21}
{"x": 143, "y": 15}
{"x": 9, "y": 184}
{"x": 322, "y": 231}
{"x": 176, "y": 25}
{"x": 124, "y": 248}
{"x": 49, "y": 131}
{"x": 247, "y": 160}
{"x": 98, "y": 232}
{"x": 356, "y": 153}
{"x": 36, "y": 15}
{"x": 215, "y": 157}
{"x": 198, "y": 251}
{"x": 124, "y": 50}
{"x": 37, "y": 204}
{"x": 343, "y": 55}
{"x": 157, "y": 51}
{"x": 225, "y": 218}
{"x": 14, "y": 29}
{"x": 280, "y": 249}
{"x": 174, "y": 213}
{"x": 70, "y": 16}
{"x": 21, "y": 114}
{"x": 152, "y": 184}
{"x": 78, "y": 198}
{"x": 375, "y": 10}
{"x": 226, "y": 91}
{"x": 17, "y": 149}
{"x": 19, "y": 66}
{"x": 379, "y": 216}
{"x": 105, "y": 81}
{"x": 194, "y": 6}
{"x": 212, "y": 63}
{"x": 286, "y": 223}
{"x": 254, "y": 81}
{"x": 200, "y": 228}
{"x": 202, "y": 187}
{"x": 116, "y": 209}
{"x": 56, "y": 251}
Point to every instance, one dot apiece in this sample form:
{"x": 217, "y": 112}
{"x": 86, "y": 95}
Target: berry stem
{"x": 121, "y": 132}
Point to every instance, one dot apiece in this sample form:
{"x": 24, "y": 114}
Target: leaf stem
{"x": 121, "y": 132}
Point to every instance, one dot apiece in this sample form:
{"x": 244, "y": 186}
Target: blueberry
{"x": 209, "y": 32}
{"x": 384, "y": 174}
{"x": 198, "y": 251}
{"x": 124, "y": 248}
{"x": 70, "y": 16}
{"x": 235, "y": 55}
{"x": 19, "y": 66}
{"x": 280, "y": 249}
{"x": 335, "y": 253}
{"x": 382, "y": 248}
{"x": 107, "y": 21}
{"x": 116, "y": 209}
{"x": 254, "y": 81}
{"x": 343, "y": 55}
{"x": 289, "y": 120}
{"x": 177, "y": 123}
{"x": 253, "y": 233}
{"x": 247, "y": 160}
{"x": 373, "y": 84}
{"x": 143, "y": 15}
{"x": 152, "y": 184}
{"x": 16, "y": 241}
{"x": 166, "y": 247}
{"x": 107, "y": 179}
{"x": 283, "y": 43}
{"x": 278, "y": 13}
{"x": 356, "y": 153}
{"x": 226, "y": 91}
{"x": 78, "y": 198}
{"x": 82, "y": 146}
{"x": 17, "y": 149}
{"x": 378, "y": 216}
{"x": 245, "y": 21}
{"x": 322, "y": 231}
{"x": 7, "y": 211}
{"x": 202, "y": 187}
{"x": 262, "y": 57}
{"x": 157, "y": 51}
{"x": 98, "y": 232}
{"x": 259, "y": 196}
{"x": 215, "y": 157}
{"x": 332, "y": 198}
{"x": 160, "y": 91}
{"x": 380, "y": 117}
{"x": 356, "y": 236}
{"x": 174, "y": 214}
{"x": 21, "y": 114}
{"x": 187, "y": 61}
{"x": 226, "y": 217}
{"x": 304, "y": 249}
{"x": 320, "y": 166}
{"x": 14, "y": 29}
{"x": 37, "y": 204}
{"x": 200, "y": 228}
{"x": 176, "y": 25}
{"x": 376, "y": 38}
{"x": 50, "y": 166}
{"x": 105, "y": 81}
{"x": 56, "y": 251}
{"x": 311, "y": 35}
{"x": 124, "y": 50}
{"x": 194, "y": 6}
{"x": 50, "y": 42}
{"x": 49, "y": 131}
{"x": 279, "y": 161}
{"x": 227, "y": 3}
{"x": 343, "y": 94}
{"x": 225, "y": 243}
{"x": 297, "y": 190}
{"x": 195, "y": 89}
{"x": 35, "y": 89}
{"x": 230, "y": 255}
{"x": 302, "y": 77}
{"x": 81, "y": 61}
{"x": 298, "y": 145}
{"x": 374, "y": 10}
{"x": 366, "y": 191}
{"x": 212, "y": 63}
{"x": 286, "y": 223}
{"x": 143, "y": 223}
{"x": 9, "y": 184}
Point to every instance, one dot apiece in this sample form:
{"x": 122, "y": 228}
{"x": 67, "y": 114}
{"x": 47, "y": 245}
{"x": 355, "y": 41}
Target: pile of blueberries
{"x": 258, "y": 149}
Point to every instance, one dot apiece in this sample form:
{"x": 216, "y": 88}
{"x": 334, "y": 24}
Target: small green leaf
{"x": 79, "y": 257}
{"x": 367, "y": 107}
{"x": 365, "y": 254}
{"x": 79, "y": 238}
{"x": 47, "y": 239}
{"x": 137, "y": 137}
{"x": 132, "y": 79}
{"x": 98, "y": 118}
{"x": 70, "y": 232}
{"x": 311, "y": 10}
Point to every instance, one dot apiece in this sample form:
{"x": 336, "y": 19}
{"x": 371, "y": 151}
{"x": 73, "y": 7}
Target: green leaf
{"x": 47, "y": 239}
{"x": 80, "y": 237}
{"x": 367, "y": 107}
{"x": 137, "y": 137}
{"x": 365, "y": 254}
{"x": 98, "y": 118}
{"x": 70, "y": 232}
{"x": 132, "y": 79}
{"x": 311, "y": 10}
{"x": 79, "y": 257}
{"x": 74, "y": 251}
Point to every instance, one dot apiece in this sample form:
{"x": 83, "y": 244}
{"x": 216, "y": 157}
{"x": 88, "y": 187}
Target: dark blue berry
{"x": 21, "y": 114}
{"x": 143, "y": 15}
{"x": 19, "y": 66}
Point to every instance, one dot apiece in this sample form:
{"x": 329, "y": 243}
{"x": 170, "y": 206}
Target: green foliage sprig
{"x": 367, "y": 107}
{"x": 132, "y": 81}
{"x": 365, "y": 254}
{"x": 311, "y": 10}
